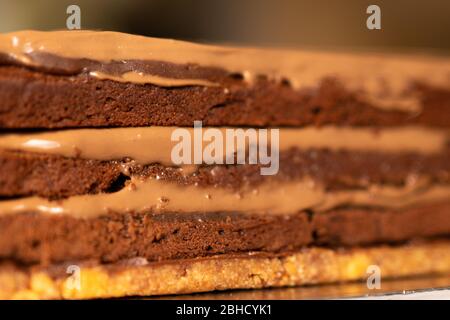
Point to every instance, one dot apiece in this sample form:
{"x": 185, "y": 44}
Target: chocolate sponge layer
{"x": 33, "y": 238}
{"x": 52, "y": 176}
{"x": 35, "y": 99}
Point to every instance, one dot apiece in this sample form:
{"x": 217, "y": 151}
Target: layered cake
{"x": 134, "y": 166}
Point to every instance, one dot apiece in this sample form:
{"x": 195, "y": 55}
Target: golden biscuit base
{"x": 306, "y": 267}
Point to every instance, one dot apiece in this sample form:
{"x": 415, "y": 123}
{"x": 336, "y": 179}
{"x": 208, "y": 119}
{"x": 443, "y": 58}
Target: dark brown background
{"x": 333, "y": 23}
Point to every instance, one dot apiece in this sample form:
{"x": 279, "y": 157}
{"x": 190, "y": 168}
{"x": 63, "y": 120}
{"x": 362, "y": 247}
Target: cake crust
{"x": 306, "y": 267}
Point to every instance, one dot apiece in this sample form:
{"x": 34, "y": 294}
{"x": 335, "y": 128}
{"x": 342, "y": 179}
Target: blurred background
{"x": 406, "y": 24}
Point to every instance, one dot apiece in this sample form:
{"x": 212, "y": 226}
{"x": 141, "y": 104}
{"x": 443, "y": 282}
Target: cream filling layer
{"x": 269, "y": 198}
{"x": 383, "y": 79}
{"x": 142, "y": 78}
{"x": 154, "y": 144}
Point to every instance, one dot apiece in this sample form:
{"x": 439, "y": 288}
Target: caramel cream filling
{"x": 154, "y": 145}
{"x": 382, "y": 79}
{"x": 269, "y": 198}
{"x": 142, "y": 78}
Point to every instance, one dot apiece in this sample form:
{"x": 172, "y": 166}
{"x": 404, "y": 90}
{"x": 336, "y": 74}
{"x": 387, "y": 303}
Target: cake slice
{"x": 143, "y": 166}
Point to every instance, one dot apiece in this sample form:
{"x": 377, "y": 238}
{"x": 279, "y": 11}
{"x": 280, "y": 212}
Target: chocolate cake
{"x": 344, "y": 163}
